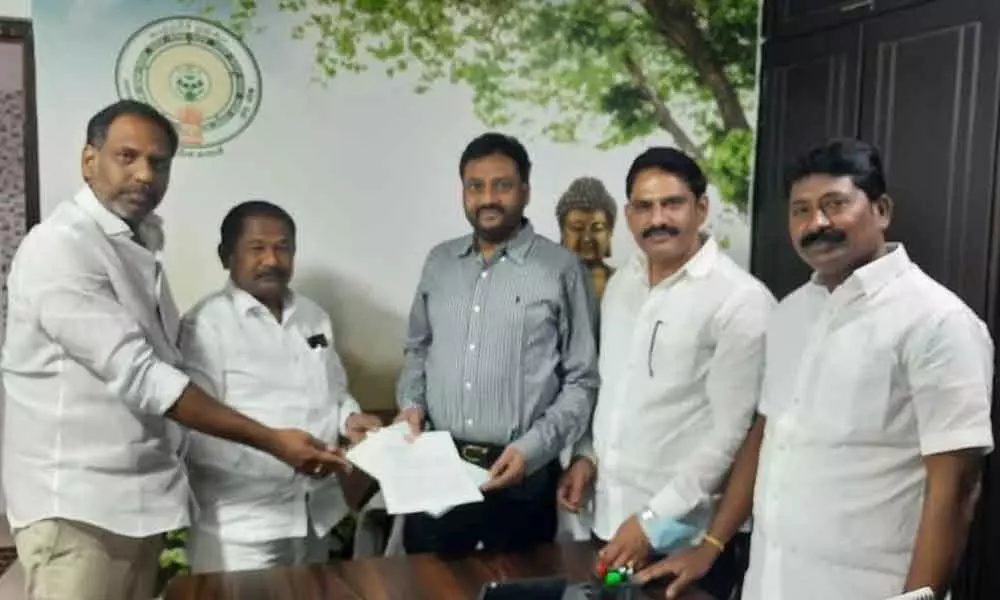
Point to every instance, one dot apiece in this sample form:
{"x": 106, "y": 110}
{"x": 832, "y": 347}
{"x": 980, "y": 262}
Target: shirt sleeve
{"x": 76, "y": 306}
{"x": 567, "y": 418}
{"x": 733, "y": 388}
{"x": 949, "y": 366}
{"x": 411, "y": 389}
{"x": 339, "y": 391}
{"x": 203, "y": 357}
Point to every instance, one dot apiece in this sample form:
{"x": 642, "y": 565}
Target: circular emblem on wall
{"x": 198, "y": 74}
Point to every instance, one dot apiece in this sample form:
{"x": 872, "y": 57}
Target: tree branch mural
{"x": 563, "y": 68}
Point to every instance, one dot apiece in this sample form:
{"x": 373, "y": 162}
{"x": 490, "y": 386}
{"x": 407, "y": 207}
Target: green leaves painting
{"x": 601, "y": 72}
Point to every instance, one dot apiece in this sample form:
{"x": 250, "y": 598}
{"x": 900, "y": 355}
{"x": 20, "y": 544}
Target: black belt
{"x": 481, "y": 455}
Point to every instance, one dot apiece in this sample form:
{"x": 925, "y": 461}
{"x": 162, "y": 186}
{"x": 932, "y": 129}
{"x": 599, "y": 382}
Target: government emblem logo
{"x": 198, "y": 74}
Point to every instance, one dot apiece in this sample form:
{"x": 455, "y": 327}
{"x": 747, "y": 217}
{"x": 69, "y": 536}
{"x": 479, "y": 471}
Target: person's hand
{"x": 414, "y": 417}
{"x": 507, "y": 470}
{"x": 628, "y": 548}
{"x": 686, "y": 567}
{"x": 307, "y": 454}
{"x": 575, "y": 483}
{"x": 358, "y": 425}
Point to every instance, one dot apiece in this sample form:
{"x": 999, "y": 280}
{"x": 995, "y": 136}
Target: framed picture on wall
{"x": 19, "y": 202}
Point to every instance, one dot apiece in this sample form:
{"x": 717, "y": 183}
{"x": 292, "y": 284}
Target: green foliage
{"x": 572, "y": 70}
{"x": 728, "y": 162}
{"x": 173, "y": 558}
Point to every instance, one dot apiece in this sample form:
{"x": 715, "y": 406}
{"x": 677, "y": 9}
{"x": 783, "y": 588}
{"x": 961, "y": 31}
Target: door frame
{"x": 21, "y": 31}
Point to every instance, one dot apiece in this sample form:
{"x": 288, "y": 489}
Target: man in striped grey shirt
{"x": 501, "y": 352}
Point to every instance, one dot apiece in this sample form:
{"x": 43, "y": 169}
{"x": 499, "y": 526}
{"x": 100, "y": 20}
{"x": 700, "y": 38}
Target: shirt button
{"x": 468, "y": 422}
{"x": 475, "y": 308}
{"x": 468, "y": 385}
{"x": 503, "y": 259}
{"x": 472, "y": 346}
{"x": 483, "y": 274}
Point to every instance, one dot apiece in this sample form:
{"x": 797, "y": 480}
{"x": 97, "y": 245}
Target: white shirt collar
{"x": 246, "y": 303}
{"x": 872, "y": 277}
{"x": 698, "y": 266}
{"x": 150, "y": 229}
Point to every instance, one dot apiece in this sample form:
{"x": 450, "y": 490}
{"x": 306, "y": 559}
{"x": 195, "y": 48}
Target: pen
{"x": 652, "y": 344}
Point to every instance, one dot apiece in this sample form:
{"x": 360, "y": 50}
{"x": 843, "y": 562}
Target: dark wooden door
{"x": 791, "y": 17}
{"x": 809, "y": 93}
{"x": 784, "y": 18}
{"x": 930, "y": 103}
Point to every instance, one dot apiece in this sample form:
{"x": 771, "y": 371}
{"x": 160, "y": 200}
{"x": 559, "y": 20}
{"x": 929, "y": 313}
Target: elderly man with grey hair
{"x": 586, "y": 213}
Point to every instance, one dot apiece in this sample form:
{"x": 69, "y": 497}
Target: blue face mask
{"x": 669, "y": 535}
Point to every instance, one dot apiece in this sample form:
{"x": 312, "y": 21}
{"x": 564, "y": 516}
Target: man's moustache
{"x": 667, "y": 229}
{"x": 270, "y": 273}
{"x": 496, "y": 207}
{"x": 832, "y": 236}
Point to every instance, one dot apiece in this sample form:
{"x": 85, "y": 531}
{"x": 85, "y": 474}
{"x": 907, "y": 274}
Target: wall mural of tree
{"x": 562, "y": 68}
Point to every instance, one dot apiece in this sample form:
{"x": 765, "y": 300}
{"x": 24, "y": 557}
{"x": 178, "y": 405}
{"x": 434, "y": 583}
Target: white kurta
{"x": 235, "y": 348}
{"x": 88, "y": 374}
{"x": 860, "y": 384}
{"x": 680, "y": 366}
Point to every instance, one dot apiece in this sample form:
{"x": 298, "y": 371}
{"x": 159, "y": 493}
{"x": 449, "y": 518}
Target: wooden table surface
{"x": 414, "y": 577}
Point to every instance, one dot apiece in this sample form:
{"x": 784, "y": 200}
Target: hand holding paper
{"x": 422, "y": 474}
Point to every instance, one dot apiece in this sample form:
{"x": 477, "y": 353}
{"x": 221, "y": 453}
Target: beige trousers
{"x": 69, "y": 560}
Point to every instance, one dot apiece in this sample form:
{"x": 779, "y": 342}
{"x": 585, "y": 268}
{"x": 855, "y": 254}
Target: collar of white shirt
{"x": 871, "y": 278}
{"x": 698, "y": 266}
{"x": 247, "y": 304}
{"x": 150, "y": 230}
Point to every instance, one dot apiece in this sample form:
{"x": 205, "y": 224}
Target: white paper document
{"x": 423, "y": 475}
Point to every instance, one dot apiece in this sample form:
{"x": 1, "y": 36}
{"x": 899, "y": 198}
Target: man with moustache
{"x": 586, "y": 214}
{"x": 682, "y": 337}
{"x": 91, "y": 382}
{"x": 500, "y": 352}
{"x": 862, "y": 466}
{"x": 268, "y": 352}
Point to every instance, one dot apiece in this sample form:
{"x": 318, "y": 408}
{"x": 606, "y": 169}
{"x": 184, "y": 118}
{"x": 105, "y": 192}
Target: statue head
{"x": 586, "y": 214}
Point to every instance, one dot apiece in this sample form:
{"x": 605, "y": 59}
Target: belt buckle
{"x": 474, "y": 454}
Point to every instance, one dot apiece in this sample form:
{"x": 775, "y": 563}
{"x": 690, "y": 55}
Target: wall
{"x": 366, "y": 166}
{"x": 18, "y": 9}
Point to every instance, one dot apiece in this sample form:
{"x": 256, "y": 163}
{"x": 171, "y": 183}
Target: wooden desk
{"x": 416, "y": 577}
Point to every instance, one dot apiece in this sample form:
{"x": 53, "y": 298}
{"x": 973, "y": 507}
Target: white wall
{"x": 379, "y": 189}
{"x": 20, "y": 9}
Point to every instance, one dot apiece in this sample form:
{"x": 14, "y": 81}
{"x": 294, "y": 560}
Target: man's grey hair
{"x": 586, "y": 193}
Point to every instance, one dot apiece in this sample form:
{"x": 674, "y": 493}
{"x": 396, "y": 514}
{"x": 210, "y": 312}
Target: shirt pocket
{"x": 539, "y": 323}
{"x": 852, "y": 379}
{"x": 671, "y": 353}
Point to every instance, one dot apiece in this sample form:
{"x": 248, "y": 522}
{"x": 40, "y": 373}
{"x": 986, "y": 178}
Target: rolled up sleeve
{"x": 77, "y": 308}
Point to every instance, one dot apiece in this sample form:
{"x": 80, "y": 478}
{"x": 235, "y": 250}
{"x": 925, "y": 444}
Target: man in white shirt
{"x": 682, "y": 337}
{"x": 92, "y": 477}
{"x": 874, "y": 415}
{"x": 269, "y": 353}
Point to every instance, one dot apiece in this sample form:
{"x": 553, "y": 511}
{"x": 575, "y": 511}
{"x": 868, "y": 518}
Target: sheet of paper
{"x": 423, "y": 475}
{"x": 370, "y": 455}
{"x": 477, "y": 474}
{"x": 426, "y": 475}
